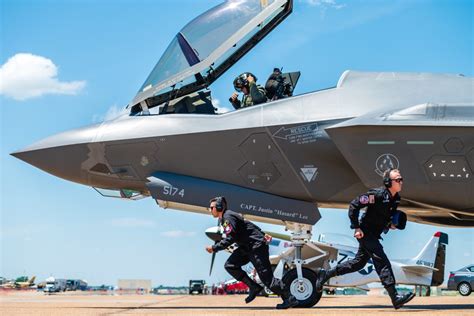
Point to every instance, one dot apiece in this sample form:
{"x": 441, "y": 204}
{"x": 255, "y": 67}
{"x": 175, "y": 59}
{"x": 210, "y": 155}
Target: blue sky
{"x": 74, "y": 63}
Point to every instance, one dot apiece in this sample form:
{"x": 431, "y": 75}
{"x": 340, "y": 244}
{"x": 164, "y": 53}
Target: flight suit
{"x": 381, "y": 206}
{"x": 256, "y": 96}
{"x": 252, "y": 247}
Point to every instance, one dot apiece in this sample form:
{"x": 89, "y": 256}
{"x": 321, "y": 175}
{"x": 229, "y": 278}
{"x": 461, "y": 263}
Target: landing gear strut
{"x": 300, "y": 281}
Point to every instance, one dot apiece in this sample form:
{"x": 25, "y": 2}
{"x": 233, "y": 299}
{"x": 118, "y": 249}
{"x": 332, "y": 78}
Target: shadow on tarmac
{"x": 437, "y": 307}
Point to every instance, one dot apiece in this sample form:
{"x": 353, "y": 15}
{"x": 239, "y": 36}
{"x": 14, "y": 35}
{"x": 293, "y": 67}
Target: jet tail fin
{"x": 431, "y": 258}
{"x": 32, "y": 280}
{"x": 427, "y": 255}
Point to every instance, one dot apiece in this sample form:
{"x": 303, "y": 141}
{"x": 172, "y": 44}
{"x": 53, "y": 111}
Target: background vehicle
{"x": 196, "y": 286}
{"x": 236, "y": 287}
{"x": 54, "y": 285}
{"x": 74, "y": 285}
{"x": 462, "y": 280}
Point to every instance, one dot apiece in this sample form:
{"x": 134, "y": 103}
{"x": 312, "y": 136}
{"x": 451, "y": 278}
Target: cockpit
{"x": 202, "y": 51}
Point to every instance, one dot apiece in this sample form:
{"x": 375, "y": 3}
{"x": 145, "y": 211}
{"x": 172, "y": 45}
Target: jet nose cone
{"x": 63, "y": 161}
{"x": 61, "y": 155}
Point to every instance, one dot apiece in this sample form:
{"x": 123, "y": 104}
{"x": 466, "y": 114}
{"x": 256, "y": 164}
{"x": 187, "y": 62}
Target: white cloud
{"x": 325, "y": 4}
{"x": 25, "y": 76}
{"x": 220, "y": 108}
{"x": 131, "y": 222}
{"x": 177, "y": 234}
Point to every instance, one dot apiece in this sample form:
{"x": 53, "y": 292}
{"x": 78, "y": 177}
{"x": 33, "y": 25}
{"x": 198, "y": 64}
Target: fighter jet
{"x": 28, "y": 283}
{"x": 279, "y": 161}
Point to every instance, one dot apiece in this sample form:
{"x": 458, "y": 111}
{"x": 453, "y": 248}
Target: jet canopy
{"x": 207, "y": 46}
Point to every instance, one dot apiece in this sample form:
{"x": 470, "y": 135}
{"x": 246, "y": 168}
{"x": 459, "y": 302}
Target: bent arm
{"x": 235, "y": 103}
{"x": 223, "y": 244}
{"x": 354, "y": 209}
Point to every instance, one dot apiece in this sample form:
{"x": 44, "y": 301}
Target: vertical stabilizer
{"x": 427, "y": 255}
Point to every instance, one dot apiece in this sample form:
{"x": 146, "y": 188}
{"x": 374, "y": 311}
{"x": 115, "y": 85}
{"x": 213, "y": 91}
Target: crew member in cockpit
{"x": 253, "y": 93}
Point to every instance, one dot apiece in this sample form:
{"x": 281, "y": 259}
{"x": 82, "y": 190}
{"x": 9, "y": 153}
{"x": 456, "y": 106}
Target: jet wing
{"x": 432, "y": 144}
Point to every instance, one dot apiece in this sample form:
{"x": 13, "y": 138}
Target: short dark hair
{"x": 219, "y": 200}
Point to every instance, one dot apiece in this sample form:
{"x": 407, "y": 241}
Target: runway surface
{"x": 35, "y": 303}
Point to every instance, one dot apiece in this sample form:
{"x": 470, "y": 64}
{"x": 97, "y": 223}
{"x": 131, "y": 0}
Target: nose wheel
{"x": 303, "y": 290}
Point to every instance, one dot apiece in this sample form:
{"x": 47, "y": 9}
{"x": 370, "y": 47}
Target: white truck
{"x": 54, "y": 285}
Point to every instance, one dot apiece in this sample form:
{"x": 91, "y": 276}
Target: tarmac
{"x": 70, "y": 303}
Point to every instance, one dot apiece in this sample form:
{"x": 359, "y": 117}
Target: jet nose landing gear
{"x": 302, "y": 289}
{"x": 300, "y": 281}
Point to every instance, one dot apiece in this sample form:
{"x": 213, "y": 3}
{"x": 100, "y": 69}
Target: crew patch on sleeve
{"x": 371, "y": 199}
{"x": 364, "y": 199}
{"x": 227, "y": 228}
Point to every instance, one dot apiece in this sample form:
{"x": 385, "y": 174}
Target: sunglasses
{"x": 211, "y": 207}
{"x": 397, "y": 180}
{"x": 238, "y": 89}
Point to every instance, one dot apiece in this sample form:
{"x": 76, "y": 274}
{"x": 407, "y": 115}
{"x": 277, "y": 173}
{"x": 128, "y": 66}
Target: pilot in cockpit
{"x": 253, "y": 93}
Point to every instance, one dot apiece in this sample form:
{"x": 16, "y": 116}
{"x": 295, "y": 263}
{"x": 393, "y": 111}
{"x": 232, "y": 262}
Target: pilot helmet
{"x": 241, "y": 81}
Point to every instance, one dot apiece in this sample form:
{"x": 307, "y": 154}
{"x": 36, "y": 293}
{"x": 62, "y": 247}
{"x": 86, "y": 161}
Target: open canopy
{"x": 208, "y": 45}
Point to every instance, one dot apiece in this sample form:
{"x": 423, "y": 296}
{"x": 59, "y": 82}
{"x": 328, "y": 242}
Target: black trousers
{"x": 369, "y": 247}
{"x": 260, "y": 259}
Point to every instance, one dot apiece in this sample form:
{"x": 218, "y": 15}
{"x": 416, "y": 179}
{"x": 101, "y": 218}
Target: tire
{"x": 464, "y": 289}
{"x": 305, "y": 293}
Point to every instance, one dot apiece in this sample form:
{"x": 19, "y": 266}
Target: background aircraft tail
{"x": 431, "y": 258}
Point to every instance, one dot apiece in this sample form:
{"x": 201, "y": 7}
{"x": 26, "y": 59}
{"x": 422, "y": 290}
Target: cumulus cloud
{"x": 25, "y": 76}
{"x": 131, "y": 222}
{"x": 325, "y": 4}
{"x": 177, "y": 234}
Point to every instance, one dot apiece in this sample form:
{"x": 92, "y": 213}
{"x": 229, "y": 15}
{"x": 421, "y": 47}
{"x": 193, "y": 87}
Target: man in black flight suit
{"x": 252, "y": 247}
{"x": 381, "y": 214}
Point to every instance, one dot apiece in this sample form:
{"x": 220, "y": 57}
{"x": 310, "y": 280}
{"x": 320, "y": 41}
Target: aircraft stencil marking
{"x": 425, "y": 263}
{"x": 301, "y": 135}
{"x": 144, "y": 161}
{"x": 170, "y": 190}
{"x": 386, "y": 161}
{"x": 267, "y": 210}
{"x": 309, "y": 173}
